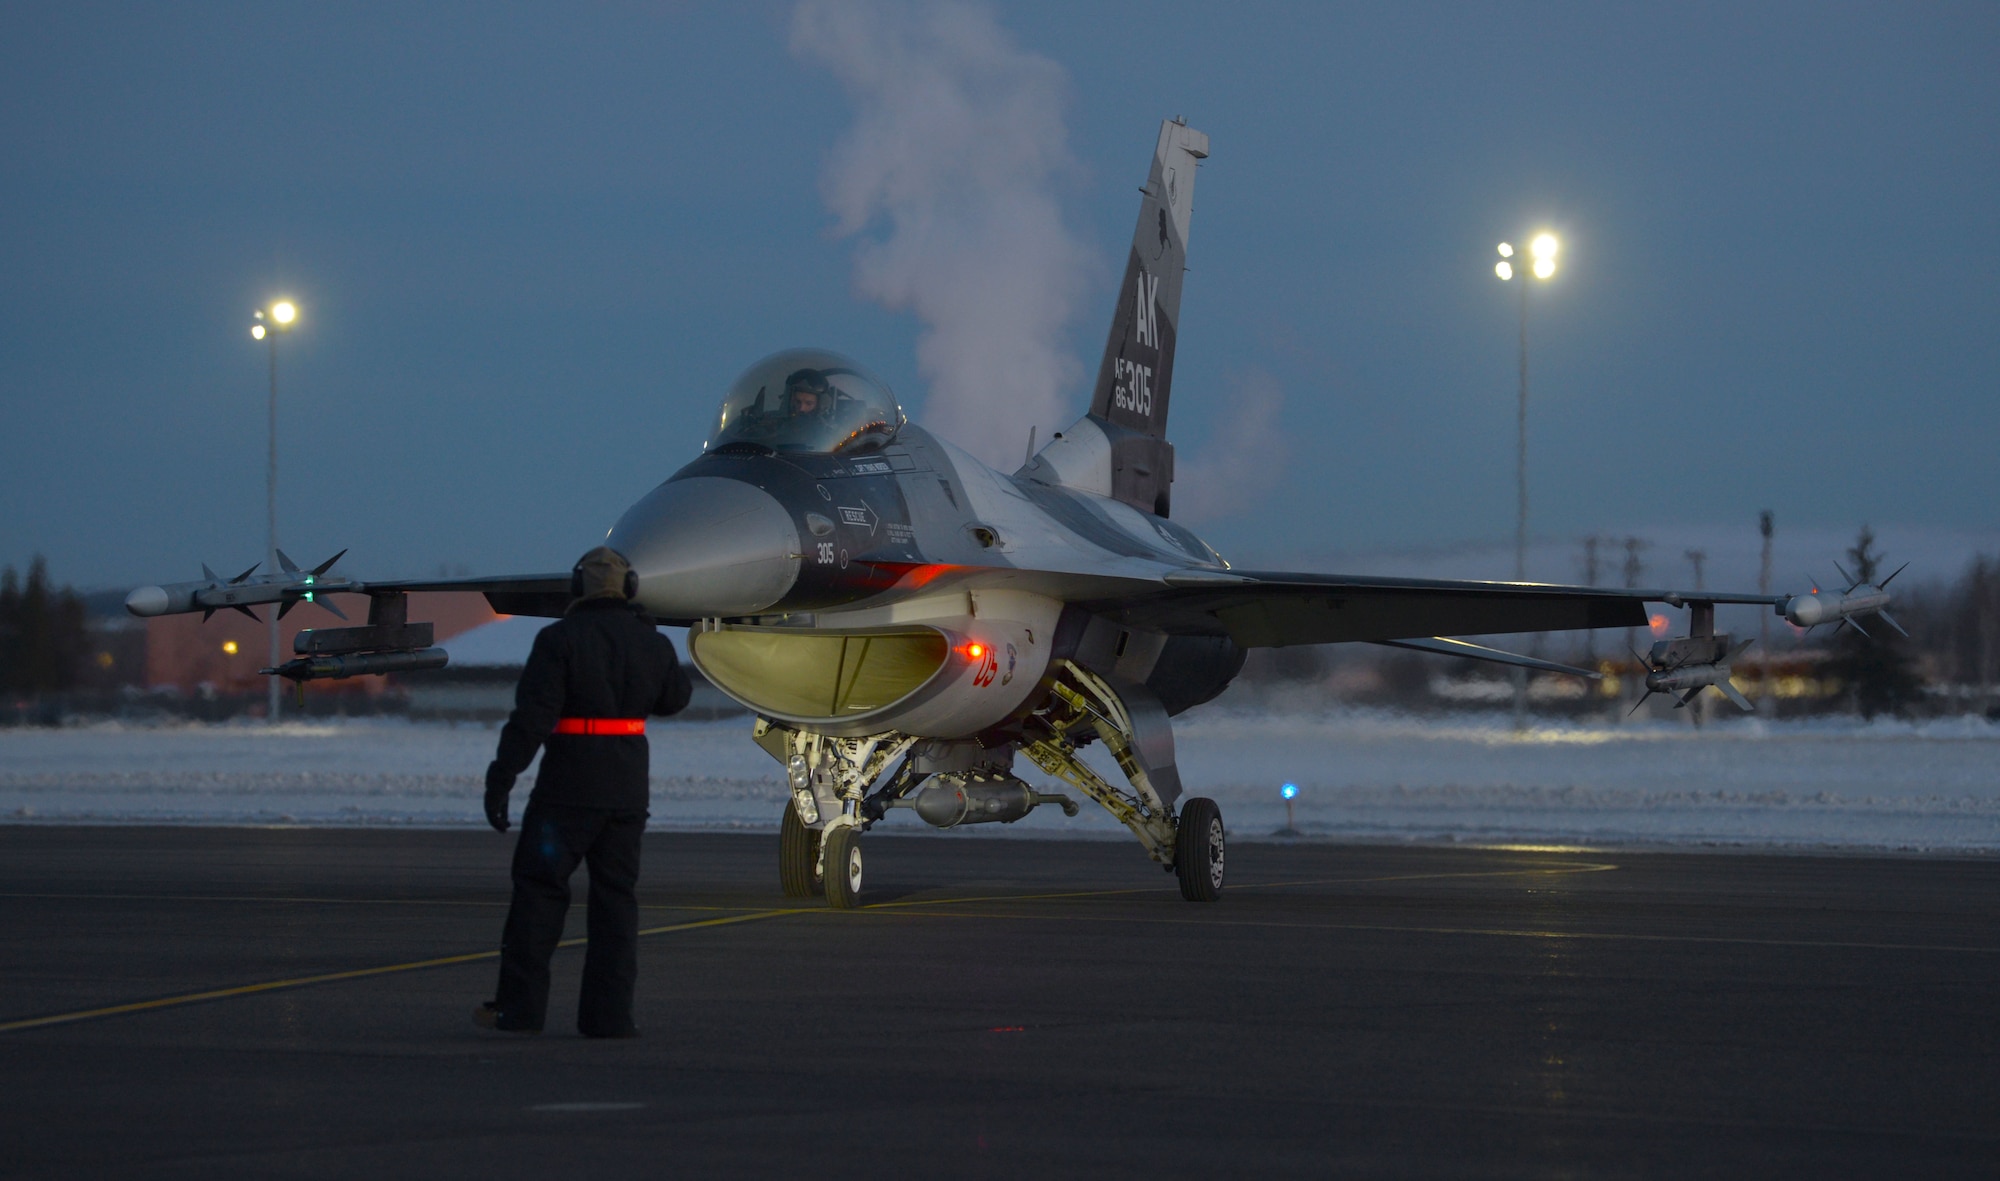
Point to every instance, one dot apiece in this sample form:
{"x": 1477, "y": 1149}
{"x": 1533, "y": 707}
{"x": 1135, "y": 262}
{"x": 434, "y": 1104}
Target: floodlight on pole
{"x": 1544, "y": 247}
{"x": 279, "y": 318}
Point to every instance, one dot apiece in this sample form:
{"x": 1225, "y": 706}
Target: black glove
{"x": 498, "y": 784}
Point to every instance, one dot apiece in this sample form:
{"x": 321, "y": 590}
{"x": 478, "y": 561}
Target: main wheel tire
{"x": 1199, "y": 848}
{"x": 798, "y": 857}
{"x": 843, "y": 868}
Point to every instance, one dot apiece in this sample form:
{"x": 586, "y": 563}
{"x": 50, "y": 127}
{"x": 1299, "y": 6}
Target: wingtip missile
{"x": 1814, "y": 608}
{"x": 214, "y": 593}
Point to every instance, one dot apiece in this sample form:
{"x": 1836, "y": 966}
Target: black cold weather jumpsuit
{"x": 604, "y": 660}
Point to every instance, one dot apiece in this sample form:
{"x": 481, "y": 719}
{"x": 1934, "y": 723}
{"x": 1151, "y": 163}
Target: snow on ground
{"x": 1363, "y": 775}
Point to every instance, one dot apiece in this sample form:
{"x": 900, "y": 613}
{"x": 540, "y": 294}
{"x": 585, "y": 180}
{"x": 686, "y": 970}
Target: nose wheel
{"x": 798, "y": 857}
{"x": 843, "y": 868}
{"x": 1199, "y": 849}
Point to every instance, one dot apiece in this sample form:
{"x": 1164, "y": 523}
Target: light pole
{"x": 265, "y": 325}
{"x": 1543, "y": 248}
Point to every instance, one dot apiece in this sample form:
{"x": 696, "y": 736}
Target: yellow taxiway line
{"x": 727, "y": 920}
{"x": 215, "y": 994}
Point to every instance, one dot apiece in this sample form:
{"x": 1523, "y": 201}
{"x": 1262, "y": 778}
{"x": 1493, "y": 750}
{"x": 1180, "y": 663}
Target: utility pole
{"x": 1633, "y": 569}
{"x": 1766, "y": 525}
{"x": 1590, "y": 545}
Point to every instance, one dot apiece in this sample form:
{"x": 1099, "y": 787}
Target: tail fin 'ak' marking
{"x": 1135, "y": 378}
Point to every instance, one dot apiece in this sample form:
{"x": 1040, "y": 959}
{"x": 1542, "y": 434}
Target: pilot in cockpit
{"x": 807, "y": 395}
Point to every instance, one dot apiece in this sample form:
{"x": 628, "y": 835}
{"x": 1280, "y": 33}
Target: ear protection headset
{"x": 576, "y": 582}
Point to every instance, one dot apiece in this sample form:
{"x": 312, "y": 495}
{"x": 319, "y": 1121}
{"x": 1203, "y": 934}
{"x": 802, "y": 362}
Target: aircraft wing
{"x": 545, "y": 595}
{"x": 1260, "y": 609}
{"x": 289, "y": 586}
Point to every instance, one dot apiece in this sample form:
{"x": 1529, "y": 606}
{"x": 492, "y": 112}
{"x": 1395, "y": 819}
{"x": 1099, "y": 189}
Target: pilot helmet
{"x": 810, "y": 381}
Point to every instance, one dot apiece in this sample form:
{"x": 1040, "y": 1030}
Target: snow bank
{"x": 1362, "y": 775}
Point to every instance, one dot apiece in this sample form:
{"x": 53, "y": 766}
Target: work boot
{"x": 489, "y": 1016}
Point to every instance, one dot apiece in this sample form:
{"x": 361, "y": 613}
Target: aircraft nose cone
{"x": 705, "y": 546}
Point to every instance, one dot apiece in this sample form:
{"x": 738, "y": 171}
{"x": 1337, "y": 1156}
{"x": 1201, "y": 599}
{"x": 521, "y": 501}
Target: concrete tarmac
{"x": 180, "y": 1002}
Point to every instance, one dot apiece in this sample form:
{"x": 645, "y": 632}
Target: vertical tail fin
{"x": 1135, "y": 378}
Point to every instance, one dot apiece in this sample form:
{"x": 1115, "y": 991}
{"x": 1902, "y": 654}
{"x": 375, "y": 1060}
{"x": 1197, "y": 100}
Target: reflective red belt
{"x": 601, "y": 727}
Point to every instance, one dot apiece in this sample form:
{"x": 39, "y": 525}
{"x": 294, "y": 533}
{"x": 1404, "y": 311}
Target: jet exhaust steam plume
{"x": 1243, "y": 460}
{"x": 948, "y": 180}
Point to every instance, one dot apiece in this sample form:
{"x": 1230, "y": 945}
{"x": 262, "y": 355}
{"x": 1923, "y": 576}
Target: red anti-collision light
{"x": 975, "y": 651}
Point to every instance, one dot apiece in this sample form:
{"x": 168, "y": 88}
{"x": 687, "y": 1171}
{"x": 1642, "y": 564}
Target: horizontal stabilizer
{"x": 1448, "y": 647}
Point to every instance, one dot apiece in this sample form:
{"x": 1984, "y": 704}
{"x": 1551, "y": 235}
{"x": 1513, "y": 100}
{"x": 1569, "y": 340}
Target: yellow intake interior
{"x": 804, "y": 674}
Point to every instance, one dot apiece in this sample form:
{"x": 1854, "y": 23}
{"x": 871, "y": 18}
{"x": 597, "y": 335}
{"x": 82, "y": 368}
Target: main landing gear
{"x": 1198, "y": 850}
{"x": 836, "y": 797}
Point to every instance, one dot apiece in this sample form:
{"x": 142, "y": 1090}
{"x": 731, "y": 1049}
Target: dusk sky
{"x": 532, "y": 245}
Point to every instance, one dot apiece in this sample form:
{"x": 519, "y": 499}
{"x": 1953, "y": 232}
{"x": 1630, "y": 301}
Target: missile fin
{"x": 285, "y": 608}
{"x": 328, "y": 604}
{"x": 1885, "y": 582}
{"x": 245, "y": 574}
{"x": 1688, "y": 696}
{"x": 323, "y": 567}
{"x": 246, "y": 611}
{"x": 1635, "y": 705}
{"x": 206, "y": 614}
{"x": 289, "y": 566}
{"x": 1849, "y": 621}
{"x": 211, "y": 575}
{"x": 1735, "y": 696}
{"x": 1891, "y": 621}
{"x": 1852, "y": 582}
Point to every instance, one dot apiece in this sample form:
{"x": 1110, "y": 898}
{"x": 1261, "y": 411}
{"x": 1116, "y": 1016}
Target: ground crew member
{"x": 591, "y": 680}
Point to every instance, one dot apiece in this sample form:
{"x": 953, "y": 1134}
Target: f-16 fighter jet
{"x": 908, "y": 625}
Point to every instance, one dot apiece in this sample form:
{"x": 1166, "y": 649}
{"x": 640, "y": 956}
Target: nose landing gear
{"x": 843, "y": 867}
{"x": 798, "y": 857}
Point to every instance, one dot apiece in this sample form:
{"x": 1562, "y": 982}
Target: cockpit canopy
{"x": 807, "y": 400}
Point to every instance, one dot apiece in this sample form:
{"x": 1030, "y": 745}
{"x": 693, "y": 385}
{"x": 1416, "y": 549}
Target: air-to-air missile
{"x": 287, "y": 587}
{"x": 359, "y": 664}
{"x": 388, "y": 644}
{"x": 1860, "y": 598}
{"x": 1686, "y": 666}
